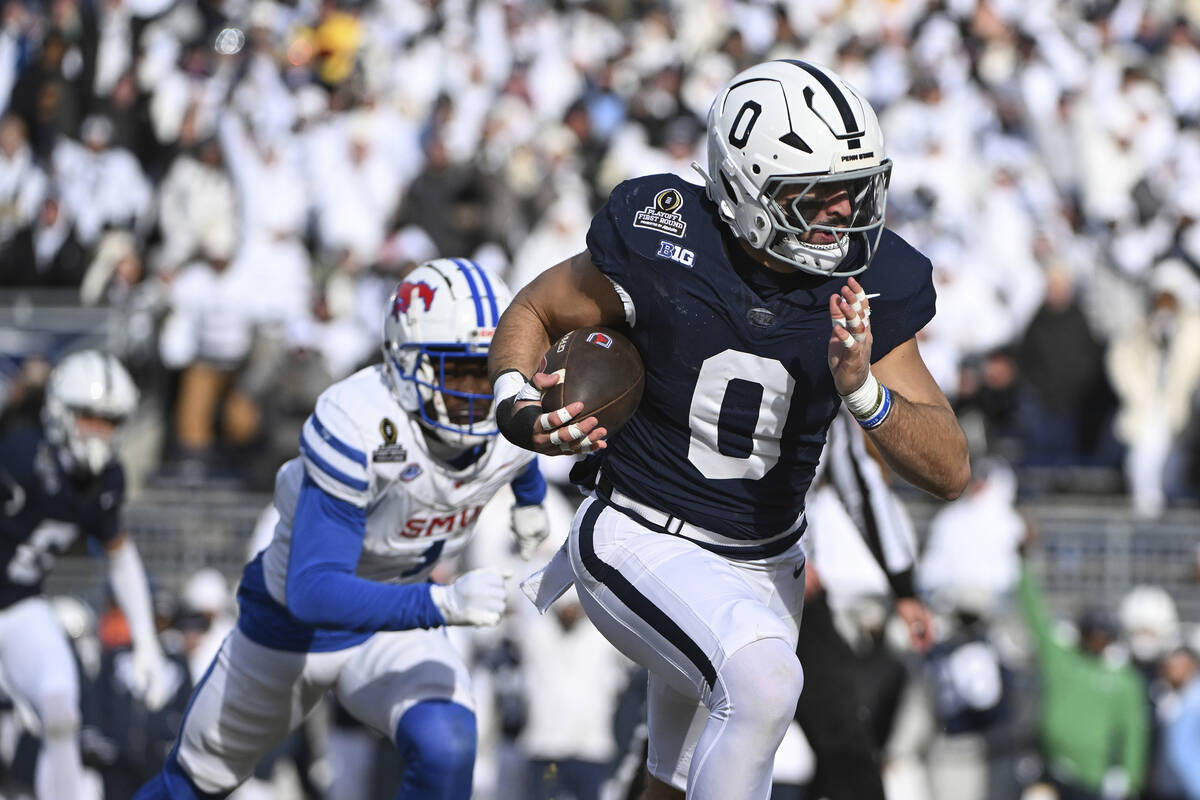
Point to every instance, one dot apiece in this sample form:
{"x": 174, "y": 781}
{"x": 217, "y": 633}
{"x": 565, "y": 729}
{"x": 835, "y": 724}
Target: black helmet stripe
{"x": 839, "y": 99}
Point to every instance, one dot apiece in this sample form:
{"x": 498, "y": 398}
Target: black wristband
{"x": 902, "y": 584}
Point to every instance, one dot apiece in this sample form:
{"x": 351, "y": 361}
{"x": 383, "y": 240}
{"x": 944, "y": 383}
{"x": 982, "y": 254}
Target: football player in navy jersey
{"x": 57, "y": 481}
{"x": 741, "y": 298}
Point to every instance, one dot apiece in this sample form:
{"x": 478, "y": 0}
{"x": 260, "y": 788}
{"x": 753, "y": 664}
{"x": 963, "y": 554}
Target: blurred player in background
{"x": 56, "y": 481}
{"x": 729, "y": 294}
{"x": 395, "y": 464}
{"x": 850, "y": 496}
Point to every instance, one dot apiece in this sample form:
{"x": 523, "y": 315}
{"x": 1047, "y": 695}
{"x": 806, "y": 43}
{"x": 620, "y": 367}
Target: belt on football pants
{"x": 663, "y": 522}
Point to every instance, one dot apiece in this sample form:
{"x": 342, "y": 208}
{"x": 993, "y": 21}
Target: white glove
{"x": 475, "y": 598}
{"x": 530, "y": 526}
{"x": 1115, "y": 785}
{"x": 151, "y": 680}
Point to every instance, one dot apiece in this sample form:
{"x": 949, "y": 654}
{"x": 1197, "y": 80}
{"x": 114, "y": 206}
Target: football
{"x": 600, "y": 368}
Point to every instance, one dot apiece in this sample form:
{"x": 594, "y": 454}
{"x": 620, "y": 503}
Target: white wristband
{"x": 864, "y": 401}
{"x": 507, "y": 385}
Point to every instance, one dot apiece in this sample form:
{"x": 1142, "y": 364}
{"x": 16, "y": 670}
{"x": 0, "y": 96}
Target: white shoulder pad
{"x": 331, "y": 445}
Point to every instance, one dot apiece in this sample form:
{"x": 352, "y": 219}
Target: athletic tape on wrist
{"x": 864, "y": 401}
{"x": 507, "y": 384}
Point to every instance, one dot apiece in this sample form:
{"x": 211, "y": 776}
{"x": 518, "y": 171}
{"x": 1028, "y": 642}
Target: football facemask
{"x": 783, "y": 134}
{"x": 437, "y": 329}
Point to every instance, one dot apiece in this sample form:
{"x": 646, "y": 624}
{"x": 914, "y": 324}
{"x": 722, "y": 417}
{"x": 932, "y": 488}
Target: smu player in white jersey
{"x": 395, "y": 464}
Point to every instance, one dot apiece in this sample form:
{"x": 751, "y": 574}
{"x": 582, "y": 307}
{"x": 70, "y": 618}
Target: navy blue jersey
{"x": 738, "y": 390}
{"x": 45, "y": 508}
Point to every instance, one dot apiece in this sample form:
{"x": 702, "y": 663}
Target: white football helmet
{"x": 87, "y": 384}
{"x": 783, "y": 136}
{"x": 445, "y": 309}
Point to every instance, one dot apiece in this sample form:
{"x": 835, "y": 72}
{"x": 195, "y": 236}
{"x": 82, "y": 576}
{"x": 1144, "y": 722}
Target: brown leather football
{"x": 600, "y": 368}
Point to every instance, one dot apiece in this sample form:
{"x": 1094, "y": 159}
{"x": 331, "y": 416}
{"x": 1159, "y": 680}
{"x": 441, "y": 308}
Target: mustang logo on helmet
{"x": 404, "y": 296}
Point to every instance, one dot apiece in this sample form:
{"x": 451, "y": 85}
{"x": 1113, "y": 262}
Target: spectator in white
{"x": 1109, "y": 167}
{"x": 1154, "y": 367}
{"x": 114, "y": 272}
{"x": 1003, "y": 250}
{"x": 261, "y": 94}
{"x": 208, "y": 335}
{"x": 1149, "y": 625}
{"x": 568, "y": 735}
{"x": 114, "y": 46}
{"x": 273, "y": 201}
{"x": 1181, "y": 64}
{"x": 556, "y": 236}
{"x": 101, "y": 186}
{"x": 337, "y": 332}
{"x": 980, "y": 570}
{"x": 186, "y": 98}
{"x": 22, "y": 182}
{"x": 14, "y": 21}
{"x": 207, "y": 595}
{"x": 355, "y": 187}
{"x": 196, "y": 195}
{"x": 272, "y": 194}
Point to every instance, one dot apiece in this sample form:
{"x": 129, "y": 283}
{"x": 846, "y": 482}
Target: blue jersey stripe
{"x": 466, "y": 271}
{"x": 337, "y": 444}
{"x": 329, "y": 469}
{"x": 491, "y": 294}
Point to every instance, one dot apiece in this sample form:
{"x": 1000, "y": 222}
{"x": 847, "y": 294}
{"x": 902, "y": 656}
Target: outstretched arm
{"x": 571, "y": 294}
{"x": 132, "y": 593}
{"x": 323, "y": 591}
{"x": 897, "y": 401}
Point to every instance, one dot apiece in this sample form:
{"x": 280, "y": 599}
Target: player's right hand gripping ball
{"x": 600, "y": 368}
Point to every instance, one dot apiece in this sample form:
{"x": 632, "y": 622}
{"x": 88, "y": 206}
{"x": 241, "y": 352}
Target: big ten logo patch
{"x": 418, "y": 527}
{"x": 676, "y": 253}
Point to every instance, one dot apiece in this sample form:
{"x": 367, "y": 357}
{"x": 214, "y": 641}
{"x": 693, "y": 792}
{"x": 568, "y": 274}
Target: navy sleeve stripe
{"x": 329, "y": 469}
{"x": 466, "y": 271}
{"x": 336, "y": 443}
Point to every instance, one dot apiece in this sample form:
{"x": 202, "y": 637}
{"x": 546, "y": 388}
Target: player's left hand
{"x": 850, "y": 341}
{"x": 530, "y": 526}
{"x": 554, "y": 433}
{"x": 917, "y": 617}
{"x": 151, "y": 678}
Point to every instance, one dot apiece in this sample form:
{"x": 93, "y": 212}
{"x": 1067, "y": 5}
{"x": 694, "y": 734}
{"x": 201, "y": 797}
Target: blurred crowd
{"x": 242, "y": 181}
{"x": 1010, "y": 703}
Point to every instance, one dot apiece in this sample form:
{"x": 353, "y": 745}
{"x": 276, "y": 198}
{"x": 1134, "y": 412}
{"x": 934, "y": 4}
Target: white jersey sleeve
{"x": 334, "y": 454}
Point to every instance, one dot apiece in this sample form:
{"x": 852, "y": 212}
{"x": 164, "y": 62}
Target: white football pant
{"x": 718, "y": 637}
